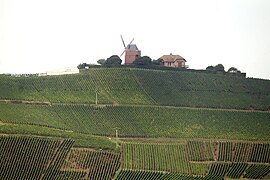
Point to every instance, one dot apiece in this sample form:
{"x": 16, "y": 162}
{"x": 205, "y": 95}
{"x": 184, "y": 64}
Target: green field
{"x": 143, "y": 121}
{"x": 171, "y": 124}
{"x": 141, "y": 86}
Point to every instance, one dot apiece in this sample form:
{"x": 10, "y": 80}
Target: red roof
{"x": 172, "y": 58}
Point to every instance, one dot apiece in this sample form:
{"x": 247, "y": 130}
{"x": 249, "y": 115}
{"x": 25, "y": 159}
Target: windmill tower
{"x": 131, "y": 52}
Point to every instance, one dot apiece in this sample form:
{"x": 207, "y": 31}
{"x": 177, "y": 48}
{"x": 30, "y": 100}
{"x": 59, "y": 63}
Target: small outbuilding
{"x": 70, "y": 70}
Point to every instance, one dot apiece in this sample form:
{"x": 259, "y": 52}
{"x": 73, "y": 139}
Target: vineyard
{"x": 141, "y": 86}
{"x": 57, "y": 158}
{"x": 244, "y": 152}
{"x": 142, "y": 121}
{"x": 161, "y": 159}
{"x": 24, "y": 157}
{"x": 96, "y": 164}
{"x": 204, "y": 90}
{"x": 35, "y": 158}
{"x": 147, "y": 124}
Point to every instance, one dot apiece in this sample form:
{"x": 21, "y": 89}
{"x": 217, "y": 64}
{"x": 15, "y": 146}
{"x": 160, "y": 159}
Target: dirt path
{"x": 183, "y": 140}
{"x": 25, "y": 102}
{"x": 129, "y": 105}
{"x": 190, "y": 107}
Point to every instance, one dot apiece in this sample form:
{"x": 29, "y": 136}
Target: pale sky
{"x": 42, "y": 35}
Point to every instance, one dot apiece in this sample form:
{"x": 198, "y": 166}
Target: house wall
{"x": 178, "y": 64}
{"x": 169, "y": 64}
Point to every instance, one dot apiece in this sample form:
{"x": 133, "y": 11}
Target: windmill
{"x": 131, "y": 51}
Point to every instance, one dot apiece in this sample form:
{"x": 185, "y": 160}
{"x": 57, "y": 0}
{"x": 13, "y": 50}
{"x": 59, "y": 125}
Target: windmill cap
{"x": 132, "y": 47}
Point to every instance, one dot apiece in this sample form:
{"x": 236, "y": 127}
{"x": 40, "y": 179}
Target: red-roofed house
{"x": 173, "y": 61}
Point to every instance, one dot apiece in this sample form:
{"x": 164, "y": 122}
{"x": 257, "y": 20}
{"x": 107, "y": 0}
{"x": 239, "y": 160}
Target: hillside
{"x": 143, "y": 121}
{"x": 148, "y": 124}
{"x": 141, "y": 86}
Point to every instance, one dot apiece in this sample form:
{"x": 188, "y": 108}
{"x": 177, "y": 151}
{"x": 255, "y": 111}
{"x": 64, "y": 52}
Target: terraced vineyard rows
{"x": 78, "y": 88}
{"x": 159, "y": 157}
{"x": 59, "y": 132}
{"x": 61, "y": 175}
{"x": 244, "y": 152}
{"x": 257, "y": 171}
{"x": 217, "y": 171}
{"x": 204, "y": 90}
{"x": 143, "y": 121}
{"x": 201, "y": 151}
{"x": 135, "y": 175}
{"x": 121, "y": 86}
{"x": 56, "y": 159}
{"x": 225, "y": 151}
{"x": 157, "y": 175}
{"x": 252, "y": 171}
{"x": 44, "y": 158}
{"x": 236, "y": 170}
{"x": 53, "y": 171}
{"x": 25, "y": 157}
{"x": 97, "y": 164}
{"x": 141, "y": 86}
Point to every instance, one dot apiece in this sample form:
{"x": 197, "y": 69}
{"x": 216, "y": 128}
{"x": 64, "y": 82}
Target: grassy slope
{"x": 79, "y": 88}
{"x": 204, "y": 90}
{"x": 143, "y": 121}
{"x": 142, "y": 86}
{"x": 114, "y": 86}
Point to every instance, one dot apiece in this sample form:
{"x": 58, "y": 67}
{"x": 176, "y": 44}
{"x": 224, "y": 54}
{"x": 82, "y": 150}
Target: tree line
{"x": 220, "y": 68}
{"x": 115, "y": 60}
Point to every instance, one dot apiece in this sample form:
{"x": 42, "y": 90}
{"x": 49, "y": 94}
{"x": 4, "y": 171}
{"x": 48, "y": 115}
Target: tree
{"x": 158, "y": 62}
{"x": 144, "y": 60}
{"x": 113, "y": 60}
{"x": 220, "y": 68}
{"x": 233, "y": 70}
{"x": 217, "y": 68}
{"x": 80, "y": 66}
{"x": 101, "y": 61}
{"x": 83, "y": 66}
{"x": 210, "y": 68}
